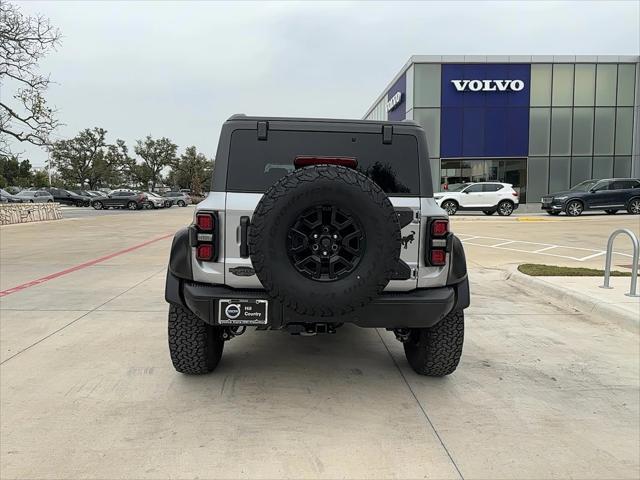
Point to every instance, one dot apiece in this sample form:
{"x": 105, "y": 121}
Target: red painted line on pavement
{"x": 9, "y": 291}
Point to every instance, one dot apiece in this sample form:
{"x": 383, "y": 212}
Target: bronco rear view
{"x": 311, "y": 224}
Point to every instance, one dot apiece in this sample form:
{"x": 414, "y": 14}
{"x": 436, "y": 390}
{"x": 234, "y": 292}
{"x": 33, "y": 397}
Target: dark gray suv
{"x": 610, "y": 195}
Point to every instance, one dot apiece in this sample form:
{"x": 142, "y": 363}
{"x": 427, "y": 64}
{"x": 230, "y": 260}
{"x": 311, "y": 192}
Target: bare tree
{"x": 24, "y": 41}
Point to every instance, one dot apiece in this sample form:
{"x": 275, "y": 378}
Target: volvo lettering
{"x": 488, "y": 85}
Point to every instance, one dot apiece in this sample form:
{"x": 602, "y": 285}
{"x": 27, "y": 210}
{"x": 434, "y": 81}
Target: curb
{"x": 583, "y": 303}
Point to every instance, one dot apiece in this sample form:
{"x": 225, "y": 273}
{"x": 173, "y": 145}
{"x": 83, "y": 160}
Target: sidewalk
{"x": 584, "y": 294}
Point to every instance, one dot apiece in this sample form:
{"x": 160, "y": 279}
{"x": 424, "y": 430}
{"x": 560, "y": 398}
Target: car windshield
{"x": 456, "y": 187}
{"x": 584, "y": 186}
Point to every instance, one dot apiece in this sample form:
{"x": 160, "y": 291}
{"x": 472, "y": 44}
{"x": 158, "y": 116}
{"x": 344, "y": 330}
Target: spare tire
{"x": 324, "y": 240}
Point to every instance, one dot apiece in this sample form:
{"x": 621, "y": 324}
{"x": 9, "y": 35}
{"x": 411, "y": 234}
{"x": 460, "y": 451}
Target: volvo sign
{"x": 487, "y": 85}
{"x": 394, "y": 101}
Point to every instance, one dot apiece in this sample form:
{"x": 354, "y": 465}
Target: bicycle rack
{"x": 634, "y": 266}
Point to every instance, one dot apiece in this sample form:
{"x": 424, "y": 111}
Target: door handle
{"x": 244, "y": 231}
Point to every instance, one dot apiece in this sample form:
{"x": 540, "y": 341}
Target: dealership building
{"x": 541, "y": 123}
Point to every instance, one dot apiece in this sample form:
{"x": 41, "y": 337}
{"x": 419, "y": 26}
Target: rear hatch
{"x": 256, "y": 164}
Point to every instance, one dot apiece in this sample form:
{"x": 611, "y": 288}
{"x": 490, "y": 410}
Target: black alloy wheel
{"x": 325, "y": 243}
{"x": 450, "y": 207}
{"x": 505, "y": 208}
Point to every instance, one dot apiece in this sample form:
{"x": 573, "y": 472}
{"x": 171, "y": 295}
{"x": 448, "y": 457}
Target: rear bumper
{"x": 416, "y": 309}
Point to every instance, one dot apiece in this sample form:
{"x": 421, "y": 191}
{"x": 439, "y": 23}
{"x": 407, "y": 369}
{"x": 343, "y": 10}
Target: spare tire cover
{"x": 324, "y": 240}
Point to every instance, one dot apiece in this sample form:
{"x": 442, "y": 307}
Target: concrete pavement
{"x": 87, "y": 389}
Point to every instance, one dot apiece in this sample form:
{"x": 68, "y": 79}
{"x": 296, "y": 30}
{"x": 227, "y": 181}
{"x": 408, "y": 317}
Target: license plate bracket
{"x": 243, "y": 311}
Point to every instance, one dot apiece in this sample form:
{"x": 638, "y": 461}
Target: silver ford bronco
{"x": 311, "y": 224}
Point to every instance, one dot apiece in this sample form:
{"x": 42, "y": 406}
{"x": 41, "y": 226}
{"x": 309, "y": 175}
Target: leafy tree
{"x": 192, "y": 170}
{"x": 15, "y": 172}
{"x": 89, "y": 159}
{"x": 79, "y": 159}
{"x": 24, "y": 41}
{"x": 156, "y": 155}
{"x": 40, "y": 179}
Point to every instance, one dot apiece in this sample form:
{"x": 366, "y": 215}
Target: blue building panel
{"x": 485, "y": 110}
{"x": 398, "y": 110}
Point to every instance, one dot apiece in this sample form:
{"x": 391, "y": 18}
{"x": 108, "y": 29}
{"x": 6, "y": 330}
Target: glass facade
{"x": 582, "y": 122}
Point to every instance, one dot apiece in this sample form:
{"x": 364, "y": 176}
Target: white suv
{"x": 488, "y": 197}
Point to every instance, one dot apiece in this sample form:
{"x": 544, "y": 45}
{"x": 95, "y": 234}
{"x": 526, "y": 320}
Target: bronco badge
{"x": 242, "y": 271}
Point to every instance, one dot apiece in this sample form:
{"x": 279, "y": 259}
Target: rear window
{"x": 255, "y": 165}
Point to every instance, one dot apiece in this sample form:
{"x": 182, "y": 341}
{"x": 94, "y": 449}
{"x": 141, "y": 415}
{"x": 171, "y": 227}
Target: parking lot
{"x": 88, "y": 390}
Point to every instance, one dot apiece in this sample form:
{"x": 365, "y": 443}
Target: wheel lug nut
{"x": 324, "y": 253}
{"x": 335, "y": 236}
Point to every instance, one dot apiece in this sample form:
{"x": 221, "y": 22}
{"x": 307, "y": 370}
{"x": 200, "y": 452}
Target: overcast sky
{"x": 179, "y": 70}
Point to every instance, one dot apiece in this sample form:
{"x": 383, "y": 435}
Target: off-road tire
{"x": 436, "y": 351}
{"x": 195, "y": 346}
{"x": 450, "y": 206}
{"x": 285, "y": 202}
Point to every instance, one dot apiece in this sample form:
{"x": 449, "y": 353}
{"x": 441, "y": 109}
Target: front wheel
{"x": 634, "y": 206}
{"x": 505, "y": 208}
{"x": 574, "y": 208}
{"x": 450, "y": 207}
{"x": 195, "y": 347}
{"x": 436, "y": 351}
{"x": 98, "y": 205}
{"x": 611, "y": 212}
{"x": 181, "y": 203}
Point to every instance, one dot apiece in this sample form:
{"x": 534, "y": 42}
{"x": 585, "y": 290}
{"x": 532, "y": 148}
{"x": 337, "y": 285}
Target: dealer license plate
{"x": 242, "y": 312}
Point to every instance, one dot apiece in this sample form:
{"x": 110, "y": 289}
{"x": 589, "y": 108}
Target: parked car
{"x": 156, "y": 201}
{"x": 120, "y": 199}
{"x": 35, "y": 196}
{"x": 181, "y": 199}
{"x": 338, "y": 241}
{"x": 6, "y": 197}
{"x": 67, "y": 197}
{"x": 488, "y": 197}
{"x": 609, "y": 194}
{"x": 88, "y": 193}
{"x": 97, "y": 193}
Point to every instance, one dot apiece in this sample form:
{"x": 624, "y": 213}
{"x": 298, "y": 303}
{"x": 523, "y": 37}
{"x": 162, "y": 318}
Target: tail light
{"x": 515, "y": 194}
{"x": 439, "y": 241}
{"x": 206, "y": 241}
